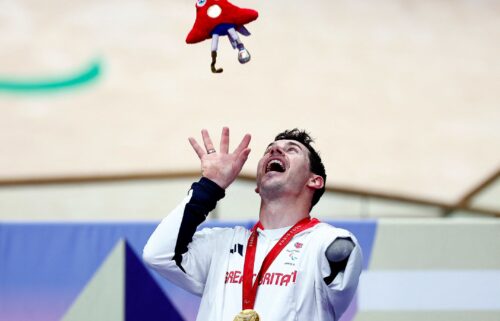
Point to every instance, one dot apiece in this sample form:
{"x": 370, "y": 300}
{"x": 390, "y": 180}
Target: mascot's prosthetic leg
{"x": 229, "y": 31}
{"x": 215, "y": 18}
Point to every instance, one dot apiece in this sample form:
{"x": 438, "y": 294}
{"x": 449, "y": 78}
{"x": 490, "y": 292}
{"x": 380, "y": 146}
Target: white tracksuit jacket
{"x": 211, "y": 265}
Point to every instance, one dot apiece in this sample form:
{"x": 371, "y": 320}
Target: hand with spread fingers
{"x": 221, "y": 166}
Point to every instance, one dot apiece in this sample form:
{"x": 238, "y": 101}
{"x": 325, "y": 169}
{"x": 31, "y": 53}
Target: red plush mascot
{"x": 216, "y": 18}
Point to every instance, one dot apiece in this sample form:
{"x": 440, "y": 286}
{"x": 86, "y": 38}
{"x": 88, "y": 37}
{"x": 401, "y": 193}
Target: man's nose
{"x": 275, "y": 149}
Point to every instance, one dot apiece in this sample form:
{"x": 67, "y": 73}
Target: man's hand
{"x": 220, "y": 166}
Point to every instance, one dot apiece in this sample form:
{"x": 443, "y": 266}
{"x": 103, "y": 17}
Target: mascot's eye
{"x": 201, "y": 3}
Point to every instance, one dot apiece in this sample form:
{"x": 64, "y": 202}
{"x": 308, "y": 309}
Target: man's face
{"x": 284, "y": 167}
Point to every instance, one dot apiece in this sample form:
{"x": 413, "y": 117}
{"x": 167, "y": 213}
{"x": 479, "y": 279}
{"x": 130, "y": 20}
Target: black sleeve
{"x": 205, "y": 194}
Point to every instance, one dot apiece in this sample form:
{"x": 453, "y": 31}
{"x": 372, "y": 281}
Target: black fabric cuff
{"x": 205, "y": 194}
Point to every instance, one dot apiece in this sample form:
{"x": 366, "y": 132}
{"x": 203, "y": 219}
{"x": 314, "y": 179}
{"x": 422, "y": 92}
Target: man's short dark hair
{"x": 316, "y": 165}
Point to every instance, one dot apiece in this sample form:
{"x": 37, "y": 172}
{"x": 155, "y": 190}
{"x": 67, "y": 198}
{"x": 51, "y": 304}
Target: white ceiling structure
{"x": 403, "y": 97}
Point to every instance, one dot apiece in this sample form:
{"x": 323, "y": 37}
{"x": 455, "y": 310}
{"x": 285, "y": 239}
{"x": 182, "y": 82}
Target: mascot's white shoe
{"x": 243, "y": 56}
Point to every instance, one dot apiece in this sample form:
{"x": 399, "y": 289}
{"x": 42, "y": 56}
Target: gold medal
{"x": 247, "y": 315}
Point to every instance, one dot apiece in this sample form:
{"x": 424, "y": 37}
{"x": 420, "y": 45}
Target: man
{"x": 288, "y": 267}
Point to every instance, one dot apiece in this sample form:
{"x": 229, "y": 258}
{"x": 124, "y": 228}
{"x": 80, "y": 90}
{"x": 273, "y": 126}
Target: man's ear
{"x": 316, "y": 182}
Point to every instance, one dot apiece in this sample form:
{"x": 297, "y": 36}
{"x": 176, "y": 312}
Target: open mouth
{"x": 275, "y": 165}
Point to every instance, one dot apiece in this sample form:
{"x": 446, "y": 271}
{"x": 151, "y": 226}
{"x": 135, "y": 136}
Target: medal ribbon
{"x": 249, "y": 289}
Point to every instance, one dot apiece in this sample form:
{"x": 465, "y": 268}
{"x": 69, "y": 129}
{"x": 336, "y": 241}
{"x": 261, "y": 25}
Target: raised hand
{"x": 221, "y": 166}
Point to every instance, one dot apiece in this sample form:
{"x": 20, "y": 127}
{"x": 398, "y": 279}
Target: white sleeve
{"x": 187, "y": 268}
{"x": 343, "y": 287}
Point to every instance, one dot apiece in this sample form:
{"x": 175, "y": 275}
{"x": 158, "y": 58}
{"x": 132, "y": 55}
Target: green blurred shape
{"x": 83, "y": 77}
